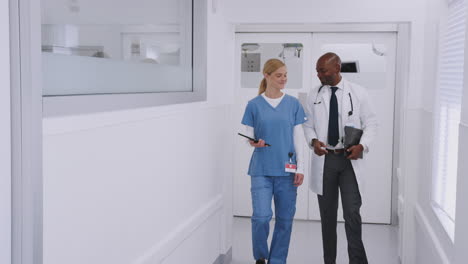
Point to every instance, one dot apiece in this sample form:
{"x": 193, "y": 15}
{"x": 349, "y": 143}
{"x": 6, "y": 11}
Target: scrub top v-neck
{"x": 275, "y": 125}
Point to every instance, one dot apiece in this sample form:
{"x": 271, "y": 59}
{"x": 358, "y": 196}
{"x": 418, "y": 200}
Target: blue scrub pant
{"x": 263, "y": 189}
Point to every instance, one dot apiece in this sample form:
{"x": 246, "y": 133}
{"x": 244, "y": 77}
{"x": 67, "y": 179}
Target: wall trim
{"x": 402, "y": 73}
{"x": 425, "y": 224}
{"x": 157, "y": 253}
{"x": 72, "y": 124}
{"x": 224, "y": 258}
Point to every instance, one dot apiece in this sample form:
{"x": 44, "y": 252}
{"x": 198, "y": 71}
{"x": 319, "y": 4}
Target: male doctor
{"x": 330, "y": 107}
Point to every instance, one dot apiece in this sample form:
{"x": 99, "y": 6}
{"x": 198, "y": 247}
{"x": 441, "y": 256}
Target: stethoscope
{"x": 350, "y": 113}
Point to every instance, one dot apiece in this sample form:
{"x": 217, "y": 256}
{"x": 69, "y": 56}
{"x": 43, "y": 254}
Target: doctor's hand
{"x": 298, "y": 179}
{"x": 319, "y": 147}
{"x": 355, "y": 151}
{"x": 259, "y": 144}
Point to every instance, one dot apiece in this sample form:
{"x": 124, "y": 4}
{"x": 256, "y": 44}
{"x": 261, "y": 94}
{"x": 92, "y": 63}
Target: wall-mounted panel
{"x": 254, "y": 56}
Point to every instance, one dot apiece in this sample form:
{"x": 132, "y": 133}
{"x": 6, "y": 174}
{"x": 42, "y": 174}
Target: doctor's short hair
{"x": 269, "y": 67}
{"x": 331, "y": 57}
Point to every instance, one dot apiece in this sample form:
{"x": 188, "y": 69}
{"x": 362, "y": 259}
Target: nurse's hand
{"x": 259, "y": 144}
{"x": 298, "y": 179}
{"x": 319, "y": 147}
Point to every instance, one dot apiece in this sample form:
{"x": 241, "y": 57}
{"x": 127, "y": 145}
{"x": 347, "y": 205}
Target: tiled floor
{"x": 306, "y": 244}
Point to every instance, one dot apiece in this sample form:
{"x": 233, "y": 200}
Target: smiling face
{"x": 278, "y": 78}
{"x": 328, "y": 70}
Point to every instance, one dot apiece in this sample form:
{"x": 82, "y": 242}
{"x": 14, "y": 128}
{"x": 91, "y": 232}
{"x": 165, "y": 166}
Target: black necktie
{"x": 333, "y": 134}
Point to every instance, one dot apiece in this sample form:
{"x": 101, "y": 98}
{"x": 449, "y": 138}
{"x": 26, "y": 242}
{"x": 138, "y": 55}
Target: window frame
{"x": 86, "y": 104}
{"x": 446, "y": 221}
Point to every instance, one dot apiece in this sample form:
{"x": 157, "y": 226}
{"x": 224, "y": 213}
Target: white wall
{"x": 5, "y": 138}
{"x": 433, "y": 244}
{"x": 145, "y": 185}
{"x": 221, "y": 92}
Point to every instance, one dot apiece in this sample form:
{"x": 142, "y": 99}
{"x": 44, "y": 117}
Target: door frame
{"x": 26, "y": 118}
{"x": 402, "y": 30}
{"x": 5, "y": 136}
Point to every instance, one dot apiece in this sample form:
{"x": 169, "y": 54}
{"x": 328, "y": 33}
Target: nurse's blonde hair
{"x": 270, "y": 67}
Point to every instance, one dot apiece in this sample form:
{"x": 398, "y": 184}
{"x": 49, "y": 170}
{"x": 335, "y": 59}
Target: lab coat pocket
{"x": 353, "y": 121}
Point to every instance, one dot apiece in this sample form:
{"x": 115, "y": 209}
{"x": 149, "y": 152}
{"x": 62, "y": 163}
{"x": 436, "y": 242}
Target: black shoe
{"x": 260, "y": 261}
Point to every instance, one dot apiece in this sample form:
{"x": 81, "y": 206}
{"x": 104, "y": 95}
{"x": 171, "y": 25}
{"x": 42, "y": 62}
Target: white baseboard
{"x": 224, "y": 258}
{"x": 169, "y": 244}
{"x": 434, "y": 240}
{"x": 400, "y": 217}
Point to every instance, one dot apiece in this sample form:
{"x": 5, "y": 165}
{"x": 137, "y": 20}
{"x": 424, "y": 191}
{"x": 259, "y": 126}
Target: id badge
{"x": 290, "y": 167}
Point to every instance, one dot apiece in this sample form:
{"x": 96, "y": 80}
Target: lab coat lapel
{"x": 345, "y": 103}
{"x": 325, "y": 98}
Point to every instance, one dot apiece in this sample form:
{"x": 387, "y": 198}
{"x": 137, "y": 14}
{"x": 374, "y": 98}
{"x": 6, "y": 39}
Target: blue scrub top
{"x": 275, "y": 126}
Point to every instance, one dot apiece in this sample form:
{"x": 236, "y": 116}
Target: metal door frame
{"x": 26, "y": 118}
{"x": 401, "y": 83}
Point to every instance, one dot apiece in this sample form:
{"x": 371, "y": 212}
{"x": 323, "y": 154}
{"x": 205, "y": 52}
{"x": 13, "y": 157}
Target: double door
{"x": 368, "y": 59}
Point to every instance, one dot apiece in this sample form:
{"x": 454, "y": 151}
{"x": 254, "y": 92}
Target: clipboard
{"x": 352, "y": 137}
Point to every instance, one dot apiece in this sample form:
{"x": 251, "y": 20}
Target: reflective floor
{"x": 306, "y": 245}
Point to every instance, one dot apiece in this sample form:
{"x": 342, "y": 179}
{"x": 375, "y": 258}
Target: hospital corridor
{"x": 120, "y": 127}
{"x": 380, "y": 240}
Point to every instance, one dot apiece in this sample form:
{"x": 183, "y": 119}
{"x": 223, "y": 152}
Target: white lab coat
{"x": 317, "y": 110}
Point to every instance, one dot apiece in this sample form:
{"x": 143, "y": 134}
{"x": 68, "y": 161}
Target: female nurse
{"x": 274, "y": 118}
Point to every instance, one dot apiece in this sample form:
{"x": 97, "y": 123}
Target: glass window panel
{"x": 363, "y": 63}
{"x": 367, "y": 57}
{"x": 116, "y": 46}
